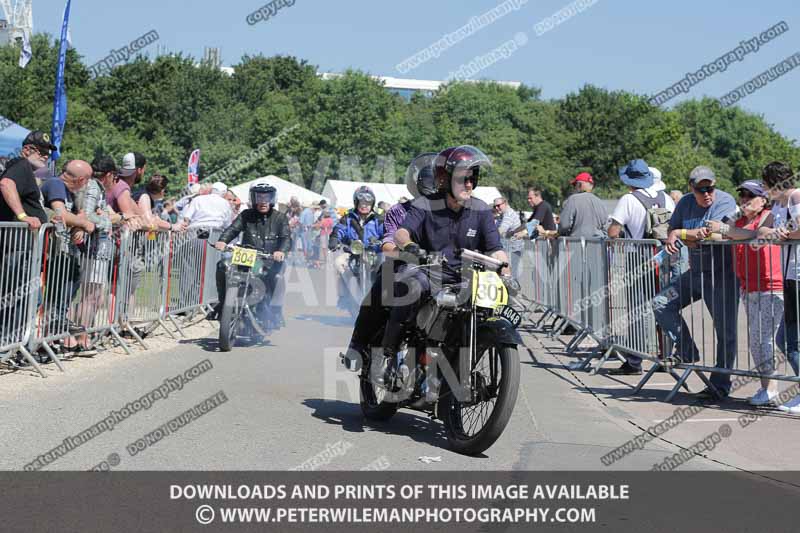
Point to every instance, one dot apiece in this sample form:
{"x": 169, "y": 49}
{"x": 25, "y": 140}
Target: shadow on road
{"x": 211, "y": 344}
{"x": 404, "y": 424}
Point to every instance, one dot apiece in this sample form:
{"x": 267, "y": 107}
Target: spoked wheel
{"x": 373, "y": 403}
{"x": 229, "y": 320}
{"x": 472, "y": 427}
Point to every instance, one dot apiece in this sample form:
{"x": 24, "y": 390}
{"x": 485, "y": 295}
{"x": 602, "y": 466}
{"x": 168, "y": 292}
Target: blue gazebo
{"x": 11, "y": 137}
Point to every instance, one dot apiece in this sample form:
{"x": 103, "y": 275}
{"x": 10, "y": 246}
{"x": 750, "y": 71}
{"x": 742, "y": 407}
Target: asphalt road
{"x": 290, "y": 402}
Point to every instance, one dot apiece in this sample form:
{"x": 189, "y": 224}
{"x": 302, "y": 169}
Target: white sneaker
{"x": 762, "y": 397}
{"x": 792, "y": 406}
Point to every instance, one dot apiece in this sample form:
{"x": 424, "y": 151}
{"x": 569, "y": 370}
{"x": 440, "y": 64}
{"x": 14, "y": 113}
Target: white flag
{"x": 26, "y": 53}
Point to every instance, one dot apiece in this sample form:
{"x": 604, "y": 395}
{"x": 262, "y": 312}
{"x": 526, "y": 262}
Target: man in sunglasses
{"x": 21, "y": 198}
{"x": 710, "y": 277}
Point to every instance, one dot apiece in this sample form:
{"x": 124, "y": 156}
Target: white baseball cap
{"x": 128, "y": 167}
{"x": 219, "y": 188}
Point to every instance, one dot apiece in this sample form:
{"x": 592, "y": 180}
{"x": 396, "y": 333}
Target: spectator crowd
{"x": 89, "y": 203}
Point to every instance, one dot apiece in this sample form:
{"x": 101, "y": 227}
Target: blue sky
{"x": 641, "y": 46}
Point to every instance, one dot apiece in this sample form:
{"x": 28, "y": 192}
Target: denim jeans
{"x": 787, "y": 336}
{"x": 719, "y": 291}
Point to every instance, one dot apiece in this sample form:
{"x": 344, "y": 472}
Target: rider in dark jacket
{"x": 265, "y": 229}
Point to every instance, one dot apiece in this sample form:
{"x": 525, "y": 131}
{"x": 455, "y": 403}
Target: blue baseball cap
{"x": 753, "y": 187}
{"x": 636, "y": 174}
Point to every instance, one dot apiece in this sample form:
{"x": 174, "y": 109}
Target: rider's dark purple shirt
{"x": 442, "y": 230}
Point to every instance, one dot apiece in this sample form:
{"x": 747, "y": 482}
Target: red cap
{"x": 583, "y": 176}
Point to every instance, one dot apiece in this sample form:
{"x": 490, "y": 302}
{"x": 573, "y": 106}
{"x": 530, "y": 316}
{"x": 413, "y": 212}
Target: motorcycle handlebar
{"x": 485, "y": 260}
{"x": 230, "y": 247}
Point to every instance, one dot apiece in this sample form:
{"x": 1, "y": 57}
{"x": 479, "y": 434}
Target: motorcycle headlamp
{"x": 357, "y": 247}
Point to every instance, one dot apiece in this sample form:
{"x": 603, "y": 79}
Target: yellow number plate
{"x": 243, "y": 257}
{"x": 488, "y": 290}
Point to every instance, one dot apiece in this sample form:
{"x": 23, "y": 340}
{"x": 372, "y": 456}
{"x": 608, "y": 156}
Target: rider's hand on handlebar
{"x": 412, "y": 248}
{"x": 220, "y": 246}
{"x": 278, "y": 256}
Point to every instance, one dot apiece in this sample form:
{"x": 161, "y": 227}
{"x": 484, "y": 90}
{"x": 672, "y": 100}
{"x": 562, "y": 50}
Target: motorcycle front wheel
{"x": 229, "y": 320}
{"x": 473, "y": 427}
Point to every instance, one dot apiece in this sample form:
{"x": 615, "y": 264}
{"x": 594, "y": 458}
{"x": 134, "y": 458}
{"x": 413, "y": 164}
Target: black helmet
{"x": 459, "y": 157}
{"x": 419, "y": 176}
{"x": 262, "y": 193}
{"x": 363, "y": 194}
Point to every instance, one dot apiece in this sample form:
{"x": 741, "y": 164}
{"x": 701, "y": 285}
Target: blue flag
{"x": 60, "y": 100}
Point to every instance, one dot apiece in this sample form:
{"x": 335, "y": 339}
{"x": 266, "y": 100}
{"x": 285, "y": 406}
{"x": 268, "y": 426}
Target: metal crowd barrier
{"x": 692, "y": 320}
{"x": 53, "y": 288}
{"x": 186, "y": 273}
{"x": 20, "y": 289}
{"x": 736, "y": 329}
{"x": 75, "y": 288}
{"x": 208, "y": 289}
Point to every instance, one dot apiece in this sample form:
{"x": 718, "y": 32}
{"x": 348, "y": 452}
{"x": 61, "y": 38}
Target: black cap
{"x": 40, "y": 140}
{"x": 104, "y": 164}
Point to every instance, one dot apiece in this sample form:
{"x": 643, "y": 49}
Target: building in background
{"x": 18, "y": 20}
{"x": 407, "y": 88}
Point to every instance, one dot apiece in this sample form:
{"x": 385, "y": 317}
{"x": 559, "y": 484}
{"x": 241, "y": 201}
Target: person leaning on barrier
{"x": 21, "y": 197}
{"x": 583, "y": 215}
{"x": 20, "y": 202}
{"x": 63, "y": 261}
{"x": 97, "y": 270}
{"x": 759, "y": 271}
{"x": 265, "y": 229}
{"x": 150, "y": 201}
{"x": 637, "y": 216}
{"x": 710, "y": 277}
{"x": 780, "y": 182}
{"x": 374, "y": 311}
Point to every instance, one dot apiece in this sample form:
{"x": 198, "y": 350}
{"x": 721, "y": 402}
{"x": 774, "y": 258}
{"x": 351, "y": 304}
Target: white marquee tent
{"x": 286, "y": 189}
{"x": 340, "y": 193}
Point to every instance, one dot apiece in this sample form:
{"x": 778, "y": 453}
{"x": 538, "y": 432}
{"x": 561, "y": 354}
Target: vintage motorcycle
{"x": 239, "y": 317}
{"x": 458, "y": 360}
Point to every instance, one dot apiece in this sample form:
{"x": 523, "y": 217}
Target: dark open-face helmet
{"x": 456, "y": 158}
{"x": 420, "y": 180}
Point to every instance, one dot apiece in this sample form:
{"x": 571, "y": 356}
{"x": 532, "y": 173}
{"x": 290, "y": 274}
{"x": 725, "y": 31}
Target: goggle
{"x": 366, "y": 197}
{"x": 706, "y": 189}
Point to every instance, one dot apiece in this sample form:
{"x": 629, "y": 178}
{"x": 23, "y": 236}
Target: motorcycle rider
{"x": 265, "y": 229}
{"x": 453, "y": 222}
{"x": 374, "y": 310}
{"x": 359, "y": 223}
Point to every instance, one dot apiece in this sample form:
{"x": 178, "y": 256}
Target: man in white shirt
{"x": 629, "y": 218}
{"x": 210, "y": 210}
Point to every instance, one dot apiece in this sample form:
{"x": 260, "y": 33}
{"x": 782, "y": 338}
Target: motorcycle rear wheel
{"x": 476, "y": 438}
